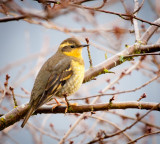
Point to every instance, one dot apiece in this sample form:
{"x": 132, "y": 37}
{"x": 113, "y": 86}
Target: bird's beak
{"x": 83, "y": 45}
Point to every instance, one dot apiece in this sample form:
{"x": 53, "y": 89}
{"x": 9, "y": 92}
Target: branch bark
{"x": 8, "y": 19}
{"x": 116, "y": 59}
{"x": 19, "y": 112}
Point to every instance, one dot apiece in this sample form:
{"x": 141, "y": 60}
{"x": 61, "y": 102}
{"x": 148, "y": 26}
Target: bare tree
{"x": 114, "y": 105}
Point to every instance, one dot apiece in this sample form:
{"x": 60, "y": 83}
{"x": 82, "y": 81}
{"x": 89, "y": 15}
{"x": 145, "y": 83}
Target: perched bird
{"x": 60, "y": 76}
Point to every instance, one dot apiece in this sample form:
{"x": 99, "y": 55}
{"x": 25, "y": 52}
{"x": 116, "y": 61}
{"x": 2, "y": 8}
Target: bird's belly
{"x": 74, "y": 83}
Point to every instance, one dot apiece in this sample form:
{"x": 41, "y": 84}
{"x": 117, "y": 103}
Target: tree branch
{"x": 19, "y": 112}
{"x": 116, "y": 59}
{"x": 122, "y": 15}
{"x": 128, "y": 127}
{"x": 145, "y": 135}
{"x": 7, "y": 19}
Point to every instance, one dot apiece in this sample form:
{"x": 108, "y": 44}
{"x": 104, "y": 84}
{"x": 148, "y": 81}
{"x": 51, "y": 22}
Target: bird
{"x": 59, "y": 77}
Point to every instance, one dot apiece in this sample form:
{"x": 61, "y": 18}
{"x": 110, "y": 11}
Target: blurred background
{"x": 26, "y": 45}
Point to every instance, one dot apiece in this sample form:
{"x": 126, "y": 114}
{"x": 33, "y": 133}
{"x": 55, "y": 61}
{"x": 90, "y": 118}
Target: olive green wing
{"x": 55, "y": 82}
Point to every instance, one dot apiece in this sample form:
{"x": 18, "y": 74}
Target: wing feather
{"x": 54, "y": 84}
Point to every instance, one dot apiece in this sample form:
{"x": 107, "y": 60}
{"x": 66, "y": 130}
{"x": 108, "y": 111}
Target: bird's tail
{"x": 29, "y": 113}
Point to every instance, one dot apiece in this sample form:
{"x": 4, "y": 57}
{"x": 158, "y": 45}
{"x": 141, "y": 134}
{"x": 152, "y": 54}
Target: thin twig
{"x": 111, "y": 123}
{"x": 128, "y": 127}
{"x": 8, "y": 19}
{"x": 89, "y": 54}
{"x": 3, "y": 95}
{"x": 121, "y": 92}
{"x": 43, "y": 132}
{"x": 71, "y": 129}
{"x": 132, "y": 118}
{"x": 136, "y": 10}
{"x": 145, "y": 135}
{"x": 14, "y": 99}
{"x": 118, "y": 14}
{"x": 10, "y": 137}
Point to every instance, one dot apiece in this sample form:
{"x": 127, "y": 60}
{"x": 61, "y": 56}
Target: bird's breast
{"x": 74, "y": 82}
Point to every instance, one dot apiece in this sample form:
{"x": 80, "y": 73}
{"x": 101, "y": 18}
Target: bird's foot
{"x": 69, "y": 105}
{"x": 58, "y": 104}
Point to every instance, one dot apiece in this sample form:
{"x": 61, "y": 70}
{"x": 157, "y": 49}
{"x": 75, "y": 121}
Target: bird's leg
{"x": 68, "y": 104}
{"x": 58, "y": 104}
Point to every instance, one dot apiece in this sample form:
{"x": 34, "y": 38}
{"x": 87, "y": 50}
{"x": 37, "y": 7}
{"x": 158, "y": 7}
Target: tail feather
{"x": 29, "y": 113}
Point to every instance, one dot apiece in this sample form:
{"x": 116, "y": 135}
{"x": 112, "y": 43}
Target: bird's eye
{"x": 72, "y": 46}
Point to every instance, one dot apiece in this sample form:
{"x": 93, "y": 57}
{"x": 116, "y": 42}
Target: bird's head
{"x": 71, "y": 47}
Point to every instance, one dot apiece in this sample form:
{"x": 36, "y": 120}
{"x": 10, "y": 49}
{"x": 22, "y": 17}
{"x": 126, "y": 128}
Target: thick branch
{"x": 116, "y": 59}
{"x": 19, "y": 112}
